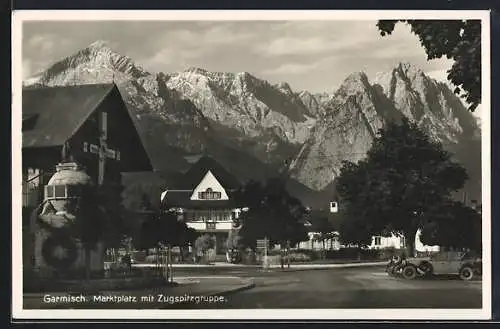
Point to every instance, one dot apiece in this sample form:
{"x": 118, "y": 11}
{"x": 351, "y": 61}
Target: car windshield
{"x": 448, "y": 256}
{"x": 470, "y": 255}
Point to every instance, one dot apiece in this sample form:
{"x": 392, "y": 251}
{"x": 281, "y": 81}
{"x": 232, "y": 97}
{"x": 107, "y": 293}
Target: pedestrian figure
{"x": 127, "y": 260}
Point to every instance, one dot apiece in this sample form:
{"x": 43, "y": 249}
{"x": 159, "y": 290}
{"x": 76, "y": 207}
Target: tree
{"x": 404, "y": 178}
{"x": 272, "y": 213}
{"x": 88, "y": 224}
{"x": 459, "y": 40}
{"x": 116, "y": 230}
{"x": 233, "y": 239}
{"x": 204, "y": 243}
{"x": 324, "y": 230}
{"x": 454, "y": 225}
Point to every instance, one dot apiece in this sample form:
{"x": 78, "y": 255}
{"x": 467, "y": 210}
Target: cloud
{"x": 291, "y": 68}
{"x": 26, "y": 73}
{"x": 43, "y": 43}
{"x": 438, "y": 75}
{"x": 296, "y": 46}
{"x": 308, "y": 54}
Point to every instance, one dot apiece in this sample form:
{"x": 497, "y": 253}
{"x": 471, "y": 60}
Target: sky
{"x": 310, "y": 55}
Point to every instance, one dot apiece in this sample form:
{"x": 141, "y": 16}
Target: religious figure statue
{"x": 66, "y": 153}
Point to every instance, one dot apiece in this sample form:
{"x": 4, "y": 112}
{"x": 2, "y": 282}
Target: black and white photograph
{"x": 251, "y": 165}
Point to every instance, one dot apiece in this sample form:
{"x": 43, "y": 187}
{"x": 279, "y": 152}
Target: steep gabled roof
{"x": 51, "y": 115}
{"x": 195, "y": 174}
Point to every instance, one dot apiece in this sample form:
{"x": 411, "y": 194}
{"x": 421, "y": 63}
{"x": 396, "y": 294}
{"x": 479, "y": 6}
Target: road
{"x": 365, "y": 287}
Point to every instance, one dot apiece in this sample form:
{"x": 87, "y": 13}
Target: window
{"x": 209, "y": 194}
{"x": 210, "y": 226}
{"x": 49, "y": 192}
{"x": 62, "y": 191}
{"x": 378, "y": 240}
{"x": 73, "y": 190}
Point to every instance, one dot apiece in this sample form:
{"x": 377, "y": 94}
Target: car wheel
{"x": 426, "y": 268}
{"x": 409, "y": 272}
{"x": 466, "y": 273}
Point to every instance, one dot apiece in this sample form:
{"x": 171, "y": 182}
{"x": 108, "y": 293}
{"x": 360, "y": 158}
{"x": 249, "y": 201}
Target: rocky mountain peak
{"x": 408, "y": 69}
{"x": 239, "y": 116}
{"x": 95, "y": 63}
{"x": 284, "y": 86}
{"x": 99, "y": 44}
{"x": 355, "y": 82}
{"x": 196, "y": 70}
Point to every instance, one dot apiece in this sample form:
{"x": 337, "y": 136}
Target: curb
{"x": 323, "y": 267}
{"x": 274, "y": 267}
{"x": 249, "y": 285}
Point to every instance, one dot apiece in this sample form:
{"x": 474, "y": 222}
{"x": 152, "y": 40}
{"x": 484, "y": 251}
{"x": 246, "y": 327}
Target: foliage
{"x": 272, "y": 213}
{"x": 459, "y": 40}
{"x": 204, "y": 243}
{"x": 404, "y": 177}
{"x": 115, "y": 227}
{"x": 89, "y": 223}
{"x": 454, "y": 225}
{"x": 90, "y": 217}
{"x": 233, "y": 239}
{"x": 164, "y": 229}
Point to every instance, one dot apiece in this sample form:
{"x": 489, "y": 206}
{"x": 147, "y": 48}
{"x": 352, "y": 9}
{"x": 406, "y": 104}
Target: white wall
{"x": 419, "y": 246}
{"x": 209, "y": 181}
{"x": 397, "y": 242}
{"x": 394, "y": 241}
{"x": 330, "y": 244}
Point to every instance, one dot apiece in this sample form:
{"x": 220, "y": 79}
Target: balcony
{"x": 211, "y": 226}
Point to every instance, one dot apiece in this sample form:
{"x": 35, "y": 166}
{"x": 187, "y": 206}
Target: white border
{"x": 19, "y": 313}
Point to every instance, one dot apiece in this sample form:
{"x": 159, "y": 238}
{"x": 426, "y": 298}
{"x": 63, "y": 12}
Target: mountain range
{"x": 258, "y": 129}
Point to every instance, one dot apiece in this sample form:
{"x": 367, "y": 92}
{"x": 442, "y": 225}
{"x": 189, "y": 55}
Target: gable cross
{"x": 102, "y": 149}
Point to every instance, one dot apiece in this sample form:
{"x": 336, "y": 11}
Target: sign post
{"x": 263, "y": 244}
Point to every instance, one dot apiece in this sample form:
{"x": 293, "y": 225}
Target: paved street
{"x": 355, "y": 287}
{"x": 366, "y": 287}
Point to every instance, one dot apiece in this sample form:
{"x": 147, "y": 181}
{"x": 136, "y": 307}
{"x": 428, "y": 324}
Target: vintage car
{"x": 466, "y": 265}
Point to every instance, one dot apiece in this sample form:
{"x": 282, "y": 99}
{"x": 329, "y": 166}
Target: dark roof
{"x": 195, "y": 174}
{"x": 182, "y": 199}
{"x": 317, "y": 219}
{"x": 56, "y": 113}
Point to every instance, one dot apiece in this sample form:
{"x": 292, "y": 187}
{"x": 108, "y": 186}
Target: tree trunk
{"x": 169, "y": 264}
{"x": 410, "y": 243}
{"x": 157, "y": 260}
{"x": 282, "y": 254}
{"x": 288, "y": 253}
{"x": 87, "y": 263}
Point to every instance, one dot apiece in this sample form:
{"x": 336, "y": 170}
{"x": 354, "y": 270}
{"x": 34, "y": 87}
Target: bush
{"x": 139, "y": 256}
{"x": 299, "y": 257}
{"x": 151, "y": 259}
{"x": 353, "y": 253}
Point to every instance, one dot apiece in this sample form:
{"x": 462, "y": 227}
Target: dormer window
{"x": 209, "y": 194}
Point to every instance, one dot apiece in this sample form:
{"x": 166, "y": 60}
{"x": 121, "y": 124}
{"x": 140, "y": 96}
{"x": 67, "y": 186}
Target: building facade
{"x": 85, "y": 124}
{"x": 206, "y": 198}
